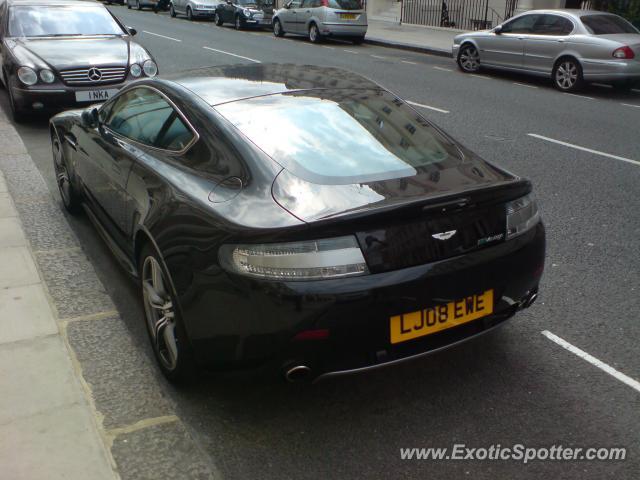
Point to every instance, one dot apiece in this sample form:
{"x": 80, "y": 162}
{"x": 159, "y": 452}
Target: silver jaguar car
{"x": 570, "y": 46}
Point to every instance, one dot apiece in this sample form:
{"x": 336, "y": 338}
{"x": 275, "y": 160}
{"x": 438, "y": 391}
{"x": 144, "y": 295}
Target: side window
{"x": 522, "y": 24}
{"x": 295, "y": 4}
{"x": 145, "y": 117}
{"x": 552, "y": 25}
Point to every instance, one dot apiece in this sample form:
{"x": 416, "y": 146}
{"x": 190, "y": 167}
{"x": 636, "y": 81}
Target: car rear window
{"x": 345, "y": 4}
{"x": 607, "y": 24}
{"x": 342, "y": 137}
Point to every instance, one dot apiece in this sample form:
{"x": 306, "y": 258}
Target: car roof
{"x": 216, "y": 85}
{"x": 42, "y": 3}
{"x": 573, "y": 12}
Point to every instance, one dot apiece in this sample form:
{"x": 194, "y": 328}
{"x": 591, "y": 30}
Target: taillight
{"x": 624, "y": 52}
{"x": 324, "y": 3}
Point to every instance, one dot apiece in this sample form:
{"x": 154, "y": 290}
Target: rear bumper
{"x": 210, "y": 13}
{"x": 342, "y": 30}
{"x": 256, "y": 321}
{"x": 611, "y": 69}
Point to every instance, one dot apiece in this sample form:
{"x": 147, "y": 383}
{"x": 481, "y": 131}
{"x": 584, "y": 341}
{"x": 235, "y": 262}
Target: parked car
{"x": 194, "y": 8}
{"x": 61, "y": 53}
{"x": 319, "y": 19}
{"x": 297, "y": 217}
{"x": 140, "y": 4}
{"x": 244, "y": 13}
{"x": 569, "y": 46}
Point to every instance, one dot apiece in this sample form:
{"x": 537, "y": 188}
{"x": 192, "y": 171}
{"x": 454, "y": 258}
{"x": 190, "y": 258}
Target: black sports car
{"x": 297, "y": 217}
{"x": 62, "y": 53}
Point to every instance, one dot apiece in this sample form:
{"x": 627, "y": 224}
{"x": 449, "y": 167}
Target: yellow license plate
{"x": 348, "y": 16}
{"x": 440, "y": 317}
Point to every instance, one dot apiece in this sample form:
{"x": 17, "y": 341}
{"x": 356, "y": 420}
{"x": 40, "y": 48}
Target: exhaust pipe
{"x": 297, "y": 373}
{"x": 529, "y": 301}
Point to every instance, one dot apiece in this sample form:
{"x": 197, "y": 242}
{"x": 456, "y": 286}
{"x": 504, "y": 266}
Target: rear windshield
{"x": 345, "y": 4}
{"x": 346, "y": 137}
{"x": 607, "y": 24}
{"x": 44, "y": 21}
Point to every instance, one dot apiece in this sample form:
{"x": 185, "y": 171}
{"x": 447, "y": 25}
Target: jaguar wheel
{"x": 166, "y": 332}
{"x": 469, "y": 59}
{"x": 70, "y": 198}
{"x": 567, "y": 75}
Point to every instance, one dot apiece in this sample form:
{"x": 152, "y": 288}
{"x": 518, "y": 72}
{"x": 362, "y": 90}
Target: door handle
{"x": 561, "y": 40}
{"x": 520, "y": 38}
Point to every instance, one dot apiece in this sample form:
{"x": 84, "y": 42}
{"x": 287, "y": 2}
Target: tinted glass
{"x": 607, "y": 24}
{"x": 345, "y": 4}
{"x": 522, "y": 24}
{"x": 41, "y": 21}
{"x": 552, "y": 25}
{"x": 346, "y": 137}
{"x": 144, "y": 116}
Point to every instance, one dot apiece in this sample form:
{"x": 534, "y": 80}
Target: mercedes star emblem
{"x": 94, "y": 74}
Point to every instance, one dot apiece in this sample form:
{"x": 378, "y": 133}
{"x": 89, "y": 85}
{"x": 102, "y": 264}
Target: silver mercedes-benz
{"x": 570, "y": 46}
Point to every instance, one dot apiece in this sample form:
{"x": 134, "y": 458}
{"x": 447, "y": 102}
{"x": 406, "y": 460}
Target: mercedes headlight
{"x": 522, "y": 215}
{"x": 150, "y": 68}
{"x": 135, "y": 70}
{"x": 294, "y": 261}
{"x": 27, "y": 76}
{"x": 47, "y": 76}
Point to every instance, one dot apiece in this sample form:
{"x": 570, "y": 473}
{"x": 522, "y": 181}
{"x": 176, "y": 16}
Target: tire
{"x": 70, "y": 197}
{"x": 567, "y": 75}
{"x": 314, "y": 34}
{"x": 189, "y": 14}
{"x": 217, "y": 19}
{"x": 278, "y": 31}
{"x": 358, "y": 40}
{"x": 238, "y": 23}
{"x": 172, "y": 11}
{"x": 169, "y": 341}
{"x": 468, "y": 58}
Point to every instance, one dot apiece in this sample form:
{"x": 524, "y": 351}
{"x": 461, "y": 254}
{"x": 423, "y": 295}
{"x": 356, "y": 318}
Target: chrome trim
{"x": 81, "y": 76}
{"x": 39, "y": 90}
{"x": 196, "y": 135}
{"x": 405, "y": 359}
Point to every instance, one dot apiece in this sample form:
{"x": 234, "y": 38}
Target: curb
{"x": 440, "y": 52}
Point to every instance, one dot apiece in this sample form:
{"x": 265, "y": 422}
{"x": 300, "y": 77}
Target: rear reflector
{"x": 624, "y": 52}
{"x": 321, "y": 334}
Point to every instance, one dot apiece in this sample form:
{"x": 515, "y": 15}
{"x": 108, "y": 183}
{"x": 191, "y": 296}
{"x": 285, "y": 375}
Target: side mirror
{"x": 498, "y": 30}
{"x": 287, "y": 5}
{"x": 89, "y": 118}
{"x": 132, "y": 31}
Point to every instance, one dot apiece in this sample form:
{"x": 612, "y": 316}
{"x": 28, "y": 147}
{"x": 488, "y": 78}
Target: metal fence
{"x": 463, "y": 14}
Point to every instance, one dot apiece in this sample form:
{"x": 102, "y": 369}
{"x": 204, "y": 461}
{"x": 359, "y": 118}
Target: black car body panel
{"x": 250, "y": 13}
{"x": 69, "y": 57}
{"x": 222, "y": 190}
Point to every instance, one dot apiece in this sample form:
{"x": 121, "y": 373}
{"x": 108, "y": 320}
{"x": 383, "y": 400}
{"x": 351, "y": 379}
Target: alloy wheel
{"x": 567, "y": 75}
{"x": 277, "y": 28}
{"x": 62, "y": 175}
{"x": 189, "y": 14}
{"x": 160, "y": 312}
{"x": 469, "y": 59}
{"x": 172, "y": 11}
{"x": 238, "y": 22}
{"x": 314, "y": 35}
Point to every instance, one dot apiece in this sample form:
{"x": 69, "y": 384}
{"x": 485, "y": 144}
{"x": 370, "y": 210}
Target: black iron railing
{"x": 463, "y": 14}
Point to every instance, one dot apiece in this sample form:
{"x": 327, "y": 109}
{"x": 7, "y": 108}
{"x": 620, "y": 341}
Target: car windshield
{"x": 344, "y": 137}
{"x": 607, "y": 24}
{"x": 345, "y": 4}
{"x": 44, "y": 21}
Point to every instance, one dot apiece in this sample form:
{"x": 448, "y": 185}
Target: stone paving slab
{"x": 17, "y": 267}
{"x": 25, "y": 313}
{"x": 160, "y": 451}
{"x": 11, "y": 234}
{"x": 6, "y": 206}
{"x": 124, "y": 382}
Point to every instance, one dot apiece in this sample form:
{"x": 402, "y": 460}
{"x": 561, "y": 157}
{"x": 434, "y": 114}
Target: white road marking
{"x": 330, "y": 48}
{"x": 443, "y": 69}
{"x": 410, "y": 63}
{"x": 427, "y": 106}
{"x": 162, "y": 36}
{"x": 584, "y": 149}
{"x": 579, "y": 96}
{"x": 630, "y": 105}
{"x": 524, "y": 85}
{"x": 378, "y": 56}
{"x": 480, "y": 76}
{"x": 593, "y": 360}
{"x": 351, "y": 51}
{"x": 232, "y": 54}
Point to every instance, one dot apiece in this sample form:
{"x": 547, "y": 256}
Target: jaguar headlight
{"x": 27, "y": 76}
{"x": 522, "y": 215}
{"x": 294, "y": 261}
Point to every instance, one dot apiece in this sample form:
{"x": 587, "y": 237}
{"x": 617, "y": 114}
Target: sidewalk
{"x": 47, "y": 428}
{"x": 432, "y": 40}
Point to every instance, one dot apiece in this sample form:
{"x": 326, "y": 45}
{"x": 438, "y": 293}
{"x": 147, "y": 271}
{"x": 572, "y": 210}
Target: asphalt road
{"x": 512, "y": 386}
